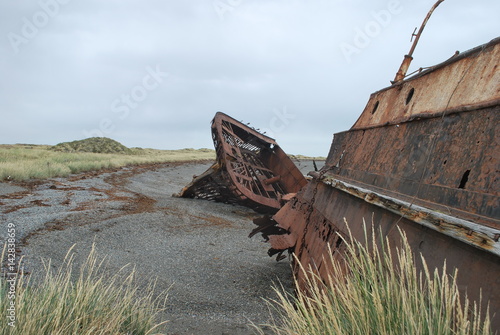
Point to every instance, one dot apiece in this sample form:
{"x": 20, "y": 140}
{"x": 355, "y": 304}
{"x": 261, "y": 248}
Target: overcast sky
{"x": 154, "y": 73}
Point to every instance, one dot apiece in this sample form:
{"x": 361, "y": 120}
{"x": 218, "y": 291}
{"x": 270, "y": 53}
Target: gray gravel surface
{"x": 217, "y": 277}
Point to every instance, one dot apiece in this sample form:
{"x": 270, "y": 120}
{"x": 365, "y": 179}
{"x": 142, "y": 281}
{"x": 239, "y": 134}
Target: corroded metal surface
{"x": 467, "y": 81}
{"x": 424, "y": 156}
{"x": 251, "y": 169}
{"x": 449, "y": 163}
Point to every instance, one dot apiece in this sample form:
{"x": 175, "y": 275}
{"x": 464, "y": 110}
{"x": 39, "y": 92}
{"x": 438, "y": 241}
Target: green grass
{"x": 87, "y": 302}
{"x": 380, "y": 293}
{"x": 24, "y": 162}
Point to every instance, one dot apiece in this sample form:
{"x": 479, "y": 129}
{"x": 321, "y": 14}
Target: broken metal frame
{"x": 251, "y": 169}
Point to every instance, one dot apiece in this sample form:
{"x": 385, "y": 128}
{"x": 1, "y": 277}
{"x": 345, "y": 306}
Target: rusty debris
{"x": 251, "y": 169}
{"x": 424, "y": 157}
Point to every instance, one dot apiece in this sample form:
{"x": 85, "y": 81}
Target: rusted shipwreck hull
{"x": 251, "y": 169}
{"x": 424, "y": 157}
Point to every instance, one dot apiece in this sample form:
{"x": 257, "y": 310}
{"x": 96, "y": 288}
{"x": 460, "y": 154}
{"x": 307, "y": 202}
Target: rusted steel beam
{"x": 251, "y": 169}
{"x": 272, "y": 180}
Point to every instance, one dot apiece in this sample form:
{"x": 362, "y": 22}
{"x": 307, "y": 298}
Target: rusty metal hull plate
{"x": 317, "y": 217}
{"x": 465, "y": 81}
{"x": 447, "y": 163}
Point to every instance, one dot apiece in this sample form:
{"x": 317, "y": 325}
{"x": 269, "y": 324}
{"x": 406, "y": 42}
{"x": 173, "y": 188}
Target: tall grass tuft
{"x": 381, "y": 292}
{"x": 87, "y": 302}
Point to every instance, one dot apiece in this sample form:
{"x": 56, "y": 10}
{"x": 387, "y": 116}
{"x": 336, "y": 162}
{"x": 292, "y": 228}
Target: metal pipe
{"x": 400, "y": 75}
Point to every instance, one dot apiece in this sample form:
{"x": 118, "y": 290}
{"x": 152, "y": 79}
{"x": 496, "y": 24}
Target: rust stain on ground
{"x": 133, "y": 202}
{"x": 32, "y": 203}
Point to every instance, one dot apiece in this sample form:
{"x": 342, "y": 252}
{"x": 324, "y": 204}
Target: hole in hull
{"x": 410, "y": 95}
{"x": 465, "y": 179}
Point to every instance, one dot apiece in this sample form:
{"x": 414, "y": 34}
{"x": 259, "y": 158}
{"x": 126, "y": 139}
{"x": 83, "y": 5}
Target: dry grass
{"x": 89, "y": 302}
{"x": 303, "y": 157}
{"x": 23, "y": 162}
{"x": 380, "y": 295}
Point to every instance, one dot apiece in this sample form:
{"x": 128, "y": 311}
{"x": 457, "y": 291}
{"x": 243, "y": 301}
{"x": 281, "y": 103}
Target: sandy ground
{"x": 217, "y": 277}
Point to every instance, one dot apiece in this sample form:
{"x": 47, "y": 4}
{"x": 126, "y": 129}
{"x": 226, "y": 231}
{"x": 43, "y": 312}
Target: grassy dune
{"x": 22, "y": 162}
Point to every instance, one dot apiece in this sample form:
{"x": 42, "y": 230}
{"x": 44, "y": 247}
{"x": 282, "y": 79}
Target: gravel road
{"x": 199, "y": 250}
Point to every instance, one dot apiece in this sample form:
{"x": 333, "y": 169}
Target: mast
{"x": 400, "y": 75}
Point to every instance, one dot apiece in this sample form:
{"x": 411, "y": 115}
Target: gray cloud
{"x": 67, "y": 77}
